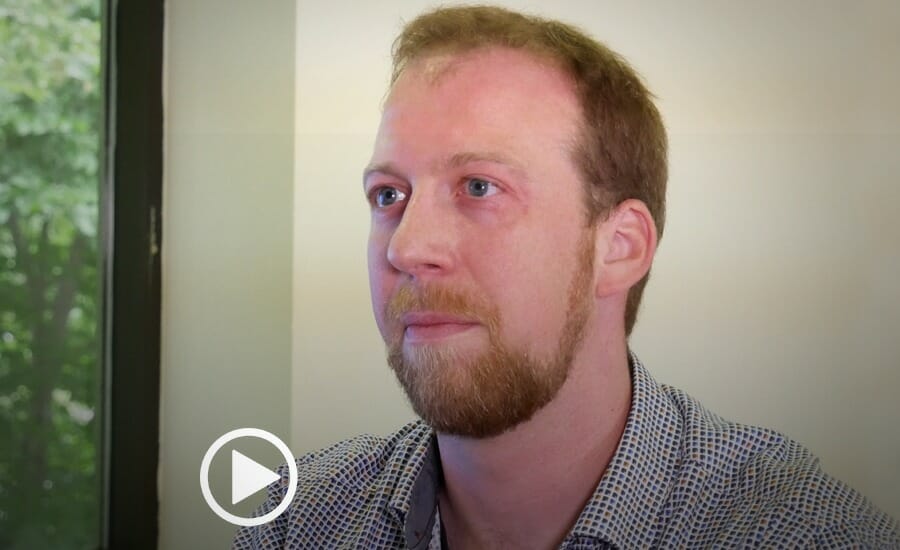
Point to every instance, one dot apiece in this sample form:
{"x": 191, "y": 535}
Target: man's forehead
{"x": 436, "y": 66}
{"x": 498, "y": 104}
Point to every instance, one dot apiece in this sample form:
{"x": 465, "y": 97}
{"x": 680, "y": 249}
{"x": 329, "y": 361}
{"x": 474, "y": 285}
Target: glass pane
{"x": 50, "y": 121}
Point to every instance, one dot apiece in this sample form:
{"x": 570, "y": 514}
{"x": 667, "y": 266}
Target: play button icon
{"x": 248, "y": 476}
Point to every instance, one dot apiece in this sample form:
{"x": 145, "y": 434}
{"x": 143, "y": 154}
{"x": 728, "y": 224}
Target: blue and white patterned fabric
{"x": 681, "y": 477}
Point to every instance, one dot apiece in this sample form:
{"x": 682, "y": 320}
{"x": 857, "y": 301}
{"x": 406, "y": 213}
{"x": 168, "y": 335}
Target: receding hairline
{"x": 437, "y": 64}
{"x": 442, "y": 59}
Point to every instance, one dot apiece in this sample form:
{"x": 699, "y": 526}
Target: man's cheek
{"x": 380, "y": 301}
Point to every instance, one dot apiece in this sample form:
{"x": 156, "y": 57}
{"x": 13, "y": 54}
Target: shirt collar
{"x": 413, "y": 496}
{"x": 625, "y": 509}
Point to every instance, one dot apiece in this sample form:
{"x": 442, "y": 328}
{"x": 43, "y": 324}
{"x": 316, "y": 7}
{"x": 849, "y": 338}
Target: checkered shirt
{"x": 681, "y": 477}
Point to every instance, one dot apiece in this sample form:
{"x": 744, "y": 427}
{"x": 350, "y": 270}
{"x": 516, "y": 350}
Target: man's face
{"x": 480, "y": 262}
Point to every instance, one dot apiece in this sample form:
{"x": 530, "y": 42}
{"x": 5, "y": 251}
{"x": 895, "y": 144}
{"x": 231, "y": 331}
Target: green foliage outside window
{"x": 50, "y": 279}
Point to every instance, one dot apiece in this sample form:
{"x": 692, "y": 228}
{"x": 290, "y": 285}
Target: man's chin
{"x": 476, "y": 396}
{"x": 444, "y": 355}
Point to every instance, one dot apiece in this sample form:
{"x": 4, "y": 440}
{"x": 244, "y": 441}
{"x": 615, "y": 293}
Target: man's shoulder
{"x": 345, "y": 494}
{"x": 726, "y": 448}
{"x": 768, "y": 487}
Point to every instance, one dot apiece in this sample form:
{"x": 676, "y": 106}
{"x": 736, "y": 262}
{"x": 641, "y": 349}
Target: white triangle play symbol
{"x": 248, "y": 476}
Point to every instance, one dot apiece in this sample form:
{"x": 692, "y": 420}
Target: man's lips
{"x": 430, "y": 326}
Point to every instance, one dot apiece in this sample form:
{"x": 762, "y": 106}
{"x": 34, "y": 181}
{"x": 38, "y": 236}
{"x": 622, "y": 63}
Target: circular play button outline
{"x": 221, "y": 442}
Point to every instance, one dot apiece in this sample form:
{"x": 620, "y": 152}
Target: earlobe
{"x": 628, "y": 238}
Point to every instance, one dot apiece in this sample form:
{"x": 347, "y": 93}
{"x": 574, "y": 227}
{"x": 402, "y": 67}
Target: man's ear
{"x": 626, "y": 245}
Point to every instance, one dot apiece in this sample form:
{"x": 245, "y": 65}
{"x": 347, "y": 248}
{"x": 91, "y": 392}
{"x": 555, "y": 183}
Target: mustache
{"x": 440, "y": 299}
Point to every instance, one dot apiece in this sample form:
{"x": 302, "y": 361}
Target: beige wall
{"x": 775, "y": 295}
{"x": 226, "y": 246}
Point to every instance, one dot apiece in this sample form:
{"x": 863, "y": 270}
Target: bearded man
{"x": 517, "y": 193}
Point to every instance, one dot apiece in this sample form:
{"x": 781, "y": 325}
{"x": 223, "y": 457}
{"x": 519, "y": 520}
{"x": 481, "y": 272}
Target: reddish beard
{"x": 485, "y": 394}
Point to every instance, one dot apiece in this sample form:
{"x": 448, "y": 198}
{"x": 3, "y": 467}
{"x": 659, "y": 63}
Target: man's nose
{"x": 422, "y": 243}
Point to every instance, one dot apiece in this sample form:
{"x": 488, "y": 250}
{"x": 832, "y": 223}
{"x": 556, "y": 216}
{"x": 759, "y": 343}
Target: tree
{"x": 50, "y": 115}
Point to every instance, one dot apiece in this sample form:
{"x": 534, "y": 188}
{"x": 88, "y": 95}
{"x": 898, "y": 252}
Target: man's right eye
{"x": 386, "y": 196}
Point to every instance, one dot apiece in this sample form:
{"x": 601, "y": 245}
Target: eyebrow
{"x": 453, "y": 161}
{"x": 461, "y": 159}
{"x": 381, "y": 168}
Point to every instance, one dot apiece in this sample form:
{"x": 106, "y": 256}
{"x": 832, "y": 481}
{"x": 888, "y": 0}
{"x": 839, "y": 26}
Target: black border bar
{"x": 132, "y": 191}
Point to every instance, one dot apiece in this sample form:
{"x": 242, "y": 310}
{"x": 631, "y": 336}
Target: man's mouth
{"x": 422, "y": 327}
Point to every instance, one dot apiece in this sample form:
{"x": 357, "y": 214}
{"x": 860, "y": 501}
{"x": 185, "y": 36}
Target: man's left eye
{"x": 478, "y": 187}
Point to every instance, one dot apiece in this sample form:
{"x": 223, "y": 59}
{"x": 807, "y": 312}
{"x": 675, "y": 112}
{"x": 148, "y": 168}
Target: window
{"x": 50, "y": 283}
{"x": 79, "y": 272}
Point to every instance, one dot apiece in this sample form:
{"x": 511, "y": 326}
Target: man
{"x": 517, "y": 194}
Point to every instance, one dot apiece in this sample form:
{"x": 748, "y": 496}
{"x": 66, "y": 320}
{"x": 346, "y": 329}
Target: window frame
{"x": 131, "y": 230}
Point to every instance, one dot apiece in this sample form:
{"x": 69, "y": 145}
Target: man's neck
{"x": 526, "y": 487}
